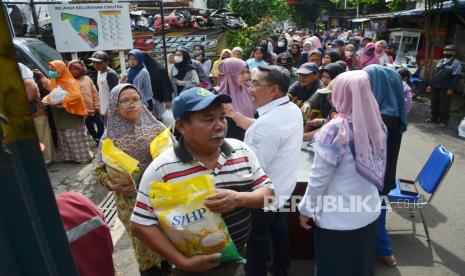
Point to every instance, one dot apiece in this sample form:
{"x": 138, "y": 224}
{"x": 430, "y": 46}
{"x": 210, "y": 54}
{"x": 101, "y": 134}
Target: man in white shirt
{"x": 107, "y": 78}
{"x": 276, "y": 139}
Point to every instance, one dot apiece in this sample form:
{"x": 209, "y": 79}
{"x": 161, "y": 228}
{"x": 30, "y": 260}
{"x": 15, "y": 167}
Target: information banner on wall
{"x": 91, "y": 27}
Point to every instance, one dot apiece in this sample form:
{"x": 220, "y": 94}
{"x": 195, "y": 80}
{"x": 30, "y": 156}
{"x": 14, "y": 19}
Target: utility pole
{"x": 163, "y": 34}
{"x": 34, "y": 17}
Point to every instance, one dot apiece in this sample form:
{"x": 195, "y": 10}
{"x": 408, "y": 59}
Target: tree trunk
{"x": 433, "y": 11}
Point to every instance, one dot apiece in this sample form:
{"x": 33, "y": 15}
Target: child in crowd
{"x": 405, "y": 75}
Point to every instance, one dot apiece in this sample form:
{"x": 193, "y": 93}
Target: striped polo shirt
{"x": 237, "y": 169}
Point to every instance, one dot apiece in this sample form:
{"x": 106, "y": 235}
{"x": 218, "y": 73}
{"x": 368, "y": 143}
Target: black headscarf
{"x": 333, "y": 55}
{"x": 159, "y": 78}
{"x": 283, "y": 49}
{"x": 333, "y": 69}
{"x": 184, "y": 66}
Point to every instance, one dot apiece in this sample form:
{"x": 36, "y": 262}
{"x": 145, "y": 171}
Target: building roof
{"x": 447, "y": 7}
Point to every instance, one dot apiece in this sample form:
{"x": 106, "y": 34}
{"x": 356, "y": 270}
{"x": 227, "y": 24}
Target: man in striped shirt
{"x": 240, "y": 182}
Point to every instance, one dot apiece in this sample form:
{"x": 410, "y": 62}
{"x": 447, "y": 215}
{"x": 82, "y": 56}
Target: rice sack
{"x": 163, "y": 141}
{"x": 120, "y": 164}
{"x": 190, "y": 226}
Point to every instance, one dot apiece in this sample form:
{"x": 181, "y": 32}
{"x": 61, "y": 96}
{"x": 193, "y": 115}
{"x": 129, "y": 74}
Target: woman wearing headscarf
{"x": 380, "y": 54}
{"x": 237, "y": 52}
{"x": 183, "y": 74}
{"x": 281, "y": 46}
{"x": 233, "y": 80}
{"x": 351, "y": 58}
{"x": 387, "y": 88}
{"x": 140, "y": 77}
{"x": 296, "y": 54}
{"x": 90, "y": 97}
{"x": 308, "y": 45}
{"x": 68, "y": 115}
{"x": 162, "y": 88}
{"x": 225, "y": 53}
{"x": 330, "y": 56}
{"x": 349, "y": 164}
{"x": 315, "y": 56}
{"x": 131, "y": 127}
{"x": 258, "y": 58}
{"x": 316, "y": 41}
{"x": 367, "y": 55}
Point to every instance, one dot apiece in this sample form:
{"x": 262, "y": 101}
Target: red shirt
{"x": 88, "y": 233}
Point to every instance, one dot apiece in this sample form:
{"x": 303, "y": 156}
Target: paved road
{"x": 445, "y": 255}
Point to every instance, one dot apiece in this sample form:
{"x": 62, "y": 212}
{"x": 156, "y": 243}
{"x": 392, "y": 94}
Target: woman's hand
{"x": 305, "y": 222}
{"x": 38, "y": 73}
{"x": 122, "y": 185}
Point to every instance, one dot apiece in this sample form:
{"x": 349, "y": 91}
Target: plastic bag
{"x": 163, "y": 141}
{"x": 119, "y": 164}
{"x": 461, "y": 128}
{"x": 190, "y": 226}
{"x": 57, "y": 95}
{"x": 167, "y": 118}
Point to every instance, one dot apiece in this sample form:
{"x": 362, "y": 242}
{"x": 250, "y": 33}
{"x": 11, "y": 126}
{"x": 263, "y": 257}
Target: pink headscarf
{"x": 358, "y": 126}
{"x": 229, "y": 70}
{"x": 367, "y": 60}
{"x": 379, "y": 54}
{"x": 316, "y": 41}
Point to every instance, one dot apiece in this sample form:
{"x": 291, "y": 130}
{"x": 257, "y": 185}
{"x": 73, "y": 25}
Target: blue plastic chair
{"x": 429, "y": 179}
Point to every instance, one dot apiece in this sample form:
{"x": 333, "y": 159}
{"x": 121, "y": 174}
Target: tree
{"x": 249, "y": 37}
{"x": 397, "y": 5}
{"x": 305, "y": 12}
{"x": 353, "y": 3}
{"x": 252, "y": 11}
{"x": 433, "y": 9}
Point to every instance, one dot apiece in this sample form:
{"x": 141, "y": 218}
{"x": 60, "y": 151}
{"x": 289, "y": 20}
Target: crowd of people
{"x": 243, "y": 120}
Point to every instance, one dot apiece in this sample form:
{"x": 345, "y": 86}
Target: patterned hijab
{"x": 132, "y": 137}
{"x": 73, "y": 102}
{"x": 357, "y": 126}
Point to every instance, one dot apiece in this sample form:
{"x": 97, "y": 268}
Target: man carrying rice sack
{"x": 194, "y": 200}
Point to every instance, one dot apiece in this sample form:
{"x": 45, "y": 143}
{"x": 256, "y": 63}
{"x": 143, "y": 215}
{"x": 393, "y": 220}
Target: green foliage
{"x": 249, "y": 37}
{"x": 305, "y": 12}
{"x": 252, "y": 11}
{"x": 397, "y": 5}
{"x": 354, "y": 3}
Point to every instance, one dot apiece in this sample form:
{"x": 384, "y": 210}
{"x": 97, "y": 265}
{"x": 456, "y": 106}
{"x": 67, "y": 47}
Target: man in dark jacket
{"x": 446, "y": 75}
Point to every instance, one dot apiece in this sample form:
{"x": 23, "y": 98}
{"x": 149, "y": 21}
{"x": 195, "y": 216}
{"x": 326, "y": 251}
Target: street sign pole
{"x": 163, "y": 33}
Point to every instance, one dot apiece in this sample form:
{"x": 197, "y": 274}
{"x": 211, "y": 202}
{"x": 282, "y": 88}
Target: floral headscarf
{"x": 132, "y": 137}
{"x": 358, "y": 126}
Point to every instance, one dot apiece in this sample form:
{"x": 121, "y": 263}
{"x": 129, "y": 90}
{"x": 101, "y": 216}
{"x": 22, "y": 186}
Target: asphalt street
{"x": 444, "y": 255}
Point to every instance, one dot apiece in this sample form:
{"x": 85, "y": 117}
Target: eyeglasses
{"x": 255, "y": 85}
{"x": 126, "y": 104}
